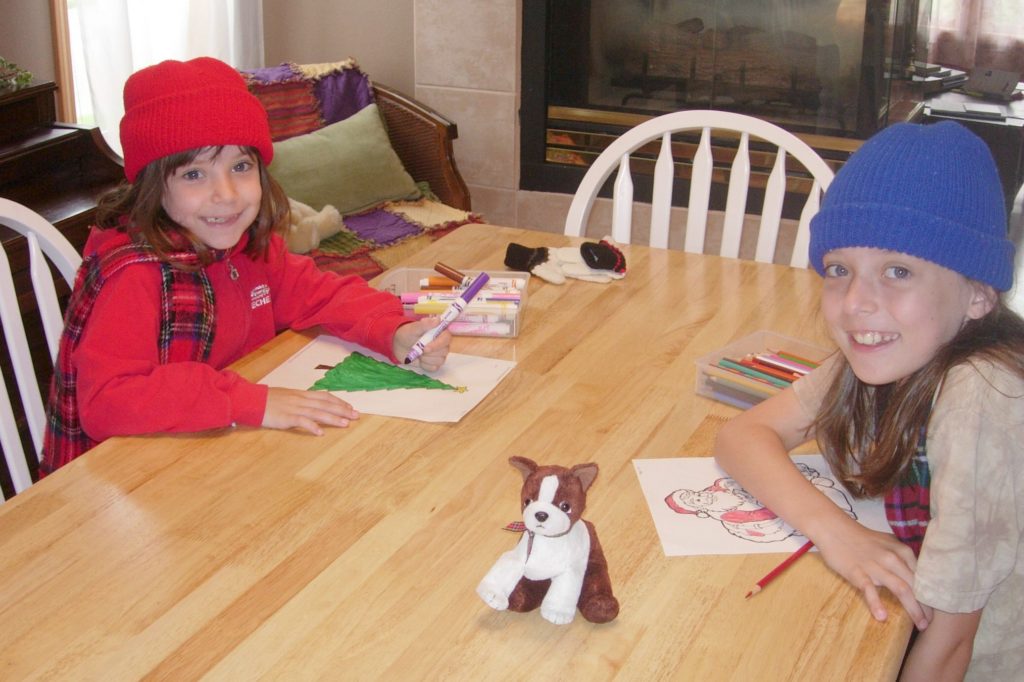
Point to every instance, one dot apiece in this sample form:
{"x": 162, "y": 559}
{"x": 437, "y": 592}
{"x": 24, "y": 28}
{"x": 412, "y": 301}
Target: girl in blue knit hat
{"x": 922, "y": 404}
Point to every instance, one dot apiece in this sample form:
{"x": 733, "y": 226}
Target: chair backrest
{"x": 617, "y": 155}
{"x": 44, "y": 242}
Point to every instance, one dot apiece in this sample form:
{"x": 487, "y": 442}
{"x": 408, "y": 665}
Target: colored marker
{"x": 453, "y": 274}
{"x": 438, "y": 284}
{"x": 774, "y": 573}
{"x": 413, "y": 297}
{"x": 448, "y": 317}
{"x": 442, "y": 283}
{"x": 481, "y": 328}
{"x": 474, "y": 307}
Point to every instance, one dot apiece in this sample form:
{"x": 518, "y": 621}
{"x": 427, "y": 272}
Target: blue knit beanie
{"x": 931, "y": 191}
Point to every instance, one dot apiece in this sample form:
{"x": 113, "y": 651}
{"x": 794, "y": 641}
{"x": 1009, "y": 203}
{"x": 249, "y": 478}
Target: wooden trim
{"x": 61, "y": 36}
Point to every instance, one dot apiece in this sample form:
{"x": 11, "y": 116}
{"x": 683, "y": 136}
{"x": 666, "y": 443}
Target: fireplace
{"x": 593, "y": 68}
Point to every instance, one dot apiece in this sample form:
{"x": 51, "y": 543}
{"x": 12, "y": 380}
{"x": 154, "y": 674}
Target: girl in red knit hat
{"x": 186, "y": 272}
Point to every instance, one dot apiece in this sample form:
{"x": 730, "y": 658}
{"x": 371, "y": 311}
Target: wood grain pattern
{"x": 246, "y": 553}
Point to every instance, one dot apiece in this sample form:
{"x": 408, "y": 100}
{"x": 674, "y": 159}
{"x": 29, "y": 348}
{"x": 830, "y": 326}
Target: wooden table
{"x": 247, "y": 553}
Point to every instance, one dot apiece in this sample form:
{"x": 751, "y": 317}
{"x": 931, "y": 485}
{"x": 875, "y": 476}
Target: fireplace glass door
{"x": 592, "y": 68}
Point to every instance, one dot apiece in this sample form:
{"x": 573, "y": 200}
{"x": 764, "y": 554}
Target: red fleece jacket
{"x": 123, "y": 390}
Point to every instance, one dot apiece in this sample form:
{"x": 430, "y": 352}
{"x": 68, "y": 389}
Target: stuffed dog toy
{"x": 559, "y": 564}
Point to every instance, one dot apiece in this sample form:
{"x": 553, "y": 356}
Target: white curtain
{"x": 969, "y": 33}
{"x": 119, "y": 37}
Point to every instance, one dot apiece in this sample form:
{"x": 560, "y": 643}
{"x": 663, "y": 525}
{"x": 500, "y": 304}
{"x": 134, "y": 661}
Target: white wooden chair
{"x": 617, "y": 155}
{"x": 44, "y": 242}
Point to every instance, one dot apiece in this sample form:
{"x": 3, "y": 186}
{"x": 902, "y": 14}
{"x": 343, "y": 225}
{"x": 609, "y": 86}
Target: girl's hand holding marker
{"x": 449, "y": 316}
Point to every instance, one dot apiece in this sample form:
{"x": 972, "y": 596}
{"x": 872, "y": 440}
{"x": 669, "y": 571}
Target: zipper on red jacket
{"x": 234, "y": 275}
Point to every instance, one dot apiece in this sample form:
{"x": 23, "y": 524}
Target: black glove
{"x": 591, "y": 261}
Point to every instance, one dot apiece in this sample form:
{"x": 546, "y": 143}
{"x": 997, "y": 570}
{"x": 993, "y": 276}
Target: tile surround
{"x": 485, "y": 148}
{"x": 467, "y": 44}
{"x": 467, "y": 66}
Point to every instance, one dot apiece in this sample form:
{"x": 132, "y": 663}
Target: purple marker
{"x": 449, "y": 316}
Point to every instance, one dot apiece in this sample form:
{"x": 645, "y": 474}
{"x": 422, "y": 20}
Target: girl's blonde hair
{"x": 869, "y": 434}
{"x": 137, "y": 208}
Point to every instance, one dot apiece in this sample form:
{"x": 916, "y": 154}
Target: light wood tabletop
{"x": 251, "y": 553}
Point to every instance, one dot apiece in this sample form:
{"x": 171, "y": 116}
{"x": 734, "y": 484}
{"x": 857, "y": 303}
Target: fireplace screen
{"x": 592, "y": 68}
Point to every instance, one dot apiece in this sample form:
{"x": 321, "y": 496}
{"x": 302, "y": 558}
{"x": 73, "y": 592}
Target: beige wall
{"x": 25, "y": 36}
{"x": 378, "y": 33}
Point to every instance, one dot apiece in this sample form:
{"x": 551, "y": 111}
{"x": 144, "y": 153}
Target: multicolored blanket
{"x": 375, "y": 240}
{"x": 301, "y": 98}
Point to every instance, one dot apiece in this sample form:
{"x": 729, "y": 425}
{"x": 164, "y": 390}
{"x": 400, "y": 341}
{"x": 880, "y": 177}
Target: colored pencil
{"x": 726, "y": 363}
{"x": 754, "y": 385}
{"x": 754, "y": 363}
{"x": 781, "y": 363}
{"x": 774, "y": 573}
{"x": 810, "y": 364}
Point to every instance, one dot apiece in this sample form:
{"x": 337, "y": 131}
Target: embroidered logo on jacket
{"x": 260, "y": 295}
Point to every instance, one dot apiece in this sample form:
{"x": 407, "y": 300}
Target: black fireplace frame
{"x": 539, "y": 174}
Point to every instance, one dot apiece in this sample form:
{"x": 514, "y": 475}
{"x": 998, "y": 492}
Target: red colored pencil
{"x": 779, "y": 569}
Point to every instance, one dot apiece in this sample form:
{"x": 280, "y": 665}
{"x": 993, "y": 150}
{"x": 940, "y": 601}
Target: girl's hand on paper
{"x": 289, "y": 408}
{"x": 435, "y": 352}
{"x": 869, "y": 559}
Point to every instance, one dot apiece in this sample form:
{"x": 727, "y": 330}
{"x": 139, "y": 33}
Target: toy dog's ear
{"x": 523, "y": 465}
{"x": 586, "y": 473}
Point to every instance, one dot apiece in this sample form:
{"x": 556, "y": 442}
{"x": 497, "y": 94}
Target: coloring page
{"x": 698, "y": 509}
{"x": 373, "y": 385}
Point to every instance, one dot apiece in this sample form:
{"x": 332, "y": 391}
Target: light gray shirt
{"x": 973, "y": 552}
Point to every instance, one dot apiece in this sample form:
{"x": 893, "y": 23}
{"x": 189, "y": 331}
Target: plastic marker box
{"x": 497, "y": 311}
{"x": 723, "y": 376}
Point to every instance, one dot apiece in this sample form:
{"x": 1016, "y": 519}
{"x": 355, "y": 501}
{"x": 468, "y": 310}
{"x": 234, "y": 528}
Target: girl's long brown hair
{"x": 137, "y": 208}
{"x": 869, "y": 434}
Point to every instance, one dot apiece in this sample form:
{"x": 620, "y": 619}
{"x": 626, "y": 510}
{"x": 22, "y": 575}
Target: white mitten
{"x": 592, "y": 262}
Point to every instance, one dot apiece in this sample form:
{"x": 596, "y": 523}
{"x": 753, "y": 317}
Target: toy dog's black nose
{"x": 541, "y": 516}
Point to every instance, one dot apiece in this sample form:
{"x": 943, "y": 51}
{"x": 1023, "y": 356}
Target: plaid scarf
{"x": 186, "y": 333}
{"x": 907, "y": 505}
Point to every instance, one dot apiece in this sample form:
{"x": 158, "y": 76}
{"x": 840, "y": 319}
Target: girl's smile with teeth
{"x": 218, "y": 180}
{"x": 921, "y": 305}
{"x": 873, "y": 338}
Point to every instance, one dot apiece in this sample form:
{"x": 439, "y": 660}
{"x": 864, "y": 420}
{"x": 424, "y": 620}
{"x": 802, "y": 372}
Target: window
{"x": 969, "y": 33}
{"x": 101, "y": 42}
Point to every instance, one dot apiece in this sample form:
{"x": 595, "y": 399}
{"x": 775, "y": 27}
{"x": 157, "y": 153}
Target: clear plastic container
{"x": 721, "y": 385}
{"x": 500, "y": 319}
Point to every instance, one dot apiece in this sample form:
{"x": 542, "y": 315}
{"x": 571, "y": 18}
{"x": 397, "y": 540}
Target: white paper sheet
{"x": 478, "y": 374}
{"x": 698, "y": 509}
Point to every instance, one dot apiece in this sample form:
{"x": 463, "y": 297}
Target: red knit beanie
{"x": 175, "y": 106}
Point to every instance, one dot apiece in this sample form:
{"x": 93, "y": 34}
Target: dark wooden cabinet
{"x": 59, "y": 170}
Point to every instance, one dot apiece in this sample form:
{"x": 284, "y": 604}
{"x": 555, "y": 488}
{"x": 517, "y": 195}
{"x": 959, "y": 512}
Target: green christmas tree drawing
{"x": 358, "y": 372}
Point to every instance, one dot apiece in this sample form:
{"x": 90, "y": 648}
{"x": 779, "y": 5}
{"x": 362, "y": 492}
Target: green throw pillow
{"x": 349, "y": 165}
